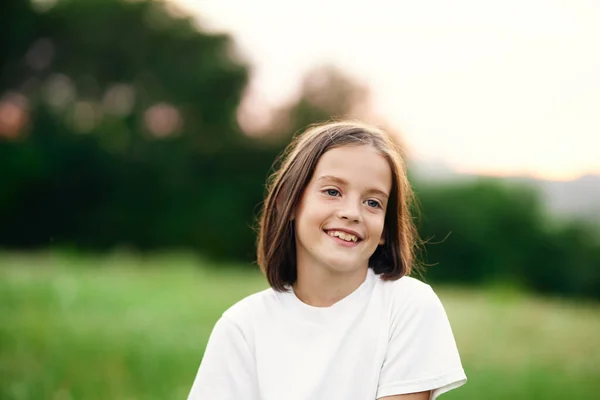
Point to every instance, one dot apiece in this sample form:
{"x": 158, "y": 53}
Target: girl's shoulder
{"x": 407, "y": 293}
{"x": 251, "y": 307}
{"x": 405, "y": 286}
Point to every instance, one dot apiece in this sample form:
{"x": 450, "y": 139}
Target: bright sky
{"x": 503, "y": 88}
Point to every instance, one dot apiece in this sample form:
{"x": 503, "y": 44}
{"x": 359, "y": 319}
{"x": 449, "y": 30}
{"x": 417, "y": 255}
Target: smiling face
{"x": 341, "y": 214}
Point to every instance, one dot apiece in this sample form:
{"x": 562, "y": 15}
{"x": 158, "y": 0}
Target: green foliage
{"x": 485, "y": 231}
{"x": 130, "y": 327}
{"x": 130, "y": 137}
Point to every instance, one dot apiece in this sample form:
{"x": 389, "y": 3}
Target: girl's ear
{"x": 382, "y": 239}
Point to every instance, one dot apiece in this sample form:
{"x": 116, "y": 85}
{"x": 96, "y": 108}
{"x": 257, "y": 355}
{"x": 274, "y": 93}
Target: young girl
{"x": 342, "y": 319}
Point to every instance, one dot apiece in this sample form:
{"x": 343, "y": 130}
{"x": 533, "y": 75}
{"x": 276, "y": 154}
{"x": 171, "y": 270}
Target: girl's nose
{"x": 350, "y": 212}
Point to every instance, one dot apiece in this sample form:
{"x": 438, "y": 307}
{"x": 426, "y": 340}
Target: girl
{"x": 342, "y": 319}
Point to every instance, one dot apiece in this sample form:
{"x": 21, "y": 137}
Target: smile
{"x": 344, "y": 236}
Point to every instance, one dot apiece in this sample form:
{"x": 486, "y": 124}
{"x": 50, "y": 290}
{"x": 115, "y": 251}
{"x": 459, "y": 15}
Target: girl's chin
{"x": 345, "y": 265}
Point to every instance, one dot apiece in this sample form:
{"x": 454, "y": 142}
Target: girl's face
{"x": 340, "y": 217}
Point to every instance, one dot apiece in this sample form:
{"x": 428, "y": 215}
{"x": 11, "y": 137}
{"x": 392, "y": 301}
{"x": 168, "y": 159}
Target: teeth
{"x": 343, "y": 235}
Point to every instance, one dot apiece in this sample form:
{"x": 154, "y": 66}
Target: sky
{"x": 495, "y": 88}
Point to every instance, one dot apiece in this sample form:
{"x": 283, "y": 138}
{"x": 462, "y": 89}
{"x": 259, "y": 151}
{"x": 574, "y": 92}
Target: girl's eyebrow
{"x": 333, "y": 179}
{"x": 344, "y": 182}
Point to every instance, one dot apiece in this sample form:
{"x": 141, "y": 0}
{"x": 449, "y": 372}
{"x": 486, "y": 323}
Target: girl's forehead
{"x": 354, "y": 164}
{"x": 352, "y": 157}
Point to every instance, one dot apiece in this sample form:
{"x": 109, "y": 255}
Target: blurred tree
{"x": 325, "y": 92}
{"x": 106, "y": 108}
{"x": 486, "y": 231}
{"x": 478, "y": 229}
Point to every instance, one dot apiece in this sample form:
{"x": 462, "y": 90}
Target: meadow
{"x": 125, "y": 326}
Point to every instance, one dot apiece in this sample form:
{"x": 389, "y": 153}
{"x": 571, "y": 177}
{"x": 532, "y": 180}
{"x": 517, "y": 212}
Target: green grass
{"x": 124, "y": 327}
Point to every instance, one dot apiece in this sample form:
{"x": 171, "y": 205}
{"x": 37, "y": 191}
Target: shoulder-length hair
{"x": 276, "y": 247}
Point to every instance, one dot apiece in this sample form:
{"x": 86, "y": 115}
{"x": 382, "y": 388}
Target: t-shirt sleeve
{"x": 422, "y": 353}
{"x": 227, "y": 370}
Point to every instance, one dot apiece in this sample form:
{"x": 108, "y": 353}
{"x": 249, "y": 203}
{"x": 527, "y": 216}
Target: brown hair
{"x": 276, "y": 250}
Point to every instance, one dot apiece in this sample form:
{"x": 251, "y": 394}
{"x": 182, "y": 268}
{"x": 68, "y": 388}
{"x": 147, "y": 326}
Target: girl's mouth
{"x": 343, "y": 238}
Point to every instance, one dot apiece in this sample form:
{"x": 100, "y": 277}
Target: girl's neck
{"x": 318, "y": 288}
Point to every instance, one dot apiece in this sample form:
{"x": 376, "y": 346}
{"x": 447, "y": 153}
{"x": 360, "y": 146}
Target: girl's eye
{"x": 332, "y": 192}
{"x": 373, "y": 203}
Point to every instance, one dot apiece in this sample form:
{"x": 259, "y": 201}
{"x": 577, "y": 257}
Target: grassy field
{"x": 124, "y": 327}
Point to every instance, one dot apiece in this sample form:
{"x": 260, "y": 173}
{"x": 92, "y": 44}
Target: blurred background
{"x": 136, "y": 138}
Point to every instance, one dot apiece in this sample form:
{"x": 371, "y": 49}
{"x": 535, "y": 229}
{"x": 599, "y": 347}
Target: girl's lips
{"x": 351, "y": 232}
{"x": 343, "y": 242}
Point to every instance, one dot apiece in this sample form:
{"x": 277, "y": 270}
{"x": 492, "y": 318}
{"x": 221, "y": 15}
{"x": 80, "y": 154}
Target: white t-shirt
{"x": 385, "y": 338}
